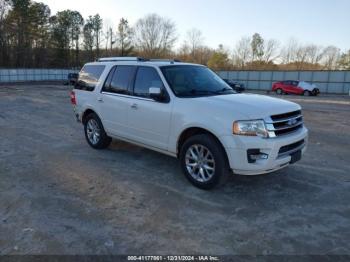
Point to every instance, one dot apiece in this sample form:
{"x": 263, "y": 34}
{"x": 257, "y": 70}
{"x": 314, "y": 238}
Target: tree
{"x": 4, "y": 39}
{"x": 270, "y": 50}
{"x": 194, "y": 41}
{"x": 76, "y": 23}
{"x": 88, "y": 38}
{"x": 92, "y": 35}
{"x": 314, "y": 54}
{"x": 219, "y": 59}
{"x": 66, "y": 27}
{"x": 242, "y": 53}
{"x": 39, "y": 15}
{"x": 19, "y": 23}
{"x": 257, "y": 46}
{"x": 97, "y": 27}
{"x": 331, "y": 55}
{"x": 344, "y": 61}
{"x": 154, "y": 36}
{"x": 124, "y": 38}
{"x": 288, "y": 52}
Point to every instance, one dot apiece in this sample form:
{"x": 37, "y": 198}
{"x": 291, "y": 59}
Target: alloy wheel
{"x": 93, "y": 131}
{"x": 200, "y": 163}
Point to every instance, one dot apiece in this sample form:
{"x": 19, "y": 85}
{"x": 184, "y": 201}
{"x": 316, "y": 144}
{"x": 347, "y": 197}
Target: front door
{"x": 148, "y": 120}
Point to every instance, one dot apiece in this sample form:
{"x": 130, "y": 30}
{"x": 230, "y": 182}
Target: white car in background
{"x": 188, "y": 112}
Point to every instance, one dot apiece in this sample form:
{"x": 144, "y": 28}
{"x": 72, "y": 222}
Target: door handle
{"x": 134, "y": 106}
{"x": 100, "y": 99}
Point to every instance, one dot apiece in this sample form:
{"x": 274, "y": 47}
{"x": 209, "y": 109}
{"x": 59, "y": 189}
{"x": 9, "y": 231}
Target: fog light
{"x": 255, "y": 154}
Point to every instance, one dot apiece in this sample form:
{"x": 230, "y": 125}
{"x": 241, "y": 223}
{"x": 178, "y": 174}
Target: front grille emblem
{"x": 292, "y": 122}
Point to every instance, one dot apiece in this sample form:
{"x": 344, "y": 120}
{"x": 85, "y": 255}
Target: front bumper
{"x": 237, "y": 146}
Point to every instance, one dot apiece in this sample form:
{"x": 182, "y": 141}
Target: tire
{"x": 279, "y": 91}
{"x": 307, "y": 93}
{"x": 94, "y": 132}
{"x": 210, "y": 171}
{"x": 315, "y": 92}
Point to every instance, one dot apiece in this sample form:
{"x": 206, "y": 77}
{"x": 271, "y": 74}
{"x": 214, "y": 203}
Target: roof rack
{"x": 137, "y": 59}
{"x": 125, "y": 58}
{"x": 164, "y": 60}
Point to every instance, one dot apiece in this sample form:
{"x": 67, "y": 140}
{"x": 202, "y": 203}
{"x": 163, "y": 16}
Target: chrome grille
{"x": 282, "y": 124}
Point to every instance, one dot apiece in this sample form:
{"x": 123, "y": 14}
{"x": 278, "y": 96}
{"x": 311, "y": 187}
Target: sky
{"x": 322, "y": 22}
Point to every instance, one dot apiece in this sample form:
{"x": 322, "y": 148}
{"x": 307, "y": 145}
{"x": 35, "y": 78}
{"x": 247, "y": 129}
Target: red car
{"x": 295, "y": 87}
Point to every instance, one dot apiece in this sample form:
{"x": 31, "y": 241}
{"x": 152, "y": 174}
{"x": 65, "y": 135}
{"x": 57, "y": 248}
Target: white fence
{"x": 23, "y": 75}
{"x": 327, "y": 81}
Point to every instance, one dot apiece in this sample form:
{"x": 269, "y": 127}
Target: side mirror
{"x": 155, "y": 93}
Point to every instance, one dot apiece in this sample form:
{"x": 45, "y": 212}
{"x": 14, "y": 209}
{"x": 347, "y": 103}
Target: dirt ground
{"x": 59, "y": 196}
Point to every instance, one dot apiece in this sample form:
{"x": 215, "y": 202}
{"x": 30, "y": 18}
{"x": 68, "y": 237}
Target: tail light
{"x": 72, "y": 98}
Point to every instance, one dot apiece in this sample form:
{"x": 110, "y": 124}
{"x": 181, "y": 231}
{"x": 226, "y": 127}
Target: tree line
{"x": 32, "y": 37}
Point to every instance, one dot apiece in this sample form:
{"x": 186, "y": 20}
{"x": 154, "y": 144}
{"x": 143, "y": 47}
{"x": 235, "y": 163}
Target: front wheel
{"x": 94, "y": 132}
{"x": 204, "y": 161}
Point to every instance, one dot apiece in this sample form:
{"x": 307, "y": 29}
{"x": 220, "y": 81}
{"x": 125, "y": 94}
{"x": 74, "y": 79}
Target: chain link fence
{"x": 337, "y": 82}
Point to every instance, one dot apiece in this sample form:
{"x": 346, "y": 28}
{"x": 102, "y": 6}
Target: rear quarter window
{"x": 89, "y": 76}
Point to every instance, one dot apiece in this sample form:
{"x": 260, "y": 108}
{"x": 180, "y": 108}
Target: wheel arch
{"x": 87, "y": 112}
{"x": 191, "y": 131}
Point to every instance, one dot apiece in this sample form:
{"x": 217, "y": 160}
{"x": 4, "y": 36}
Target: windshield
{"x": 193, "y": 81}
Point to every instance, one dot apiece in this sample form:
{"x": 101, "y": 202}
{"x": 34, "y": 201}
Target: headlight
{"x": 250, "y": 128}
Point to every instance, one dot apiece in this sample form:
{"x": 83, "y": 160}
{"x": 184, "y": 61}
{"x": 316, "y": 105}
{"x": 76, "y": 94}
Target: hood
{"x": 306, "y": 86}
{"x": 250, "y": 105}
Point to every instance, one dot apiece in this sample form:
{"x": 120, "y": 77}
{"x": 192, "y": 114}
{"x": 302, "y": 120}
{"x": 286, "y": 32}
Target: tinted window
{"x": 146, "y": 77}
{"x": 89, "y": 76}
{"x": 189, "y": 81}
{"x": 287, "y": 82}
{"x": 120, "y": 80}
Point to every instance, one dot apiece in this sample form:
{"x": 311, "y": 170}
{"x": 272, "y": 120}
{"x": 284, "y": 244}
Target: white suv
{"x": 187, "y": 111}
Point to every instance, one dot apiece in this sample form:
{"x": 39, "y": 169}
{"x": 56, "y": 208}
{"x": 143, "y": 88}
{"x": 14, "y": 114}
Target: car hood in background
{"x": 306, "y": 86}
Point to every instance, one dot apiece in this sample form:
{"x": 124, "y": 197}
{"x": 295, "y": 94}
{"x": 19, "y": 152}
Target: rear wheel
{"x": 94, "y": 132}
{"x": 204, "y": 161}
{"x": 279, "y": 91}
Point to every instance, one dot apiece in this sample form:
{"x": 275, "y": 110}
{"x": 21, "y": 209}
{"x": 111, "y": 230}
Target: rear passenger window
{"x": 146, "y": 77}
{"x": 120, "y": 80}
{"x": 89, "y": 76}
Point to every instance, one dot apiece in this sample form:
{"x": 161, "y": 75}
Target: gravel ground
{"x": 59, "y": 196}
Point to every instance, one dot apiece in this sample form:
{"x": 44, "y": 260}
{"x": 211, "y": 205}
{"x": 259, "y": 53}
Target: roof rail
{"x": 164, "y": 60}
{"x": 134, "y": 58}
{"x": 121, "y": 58}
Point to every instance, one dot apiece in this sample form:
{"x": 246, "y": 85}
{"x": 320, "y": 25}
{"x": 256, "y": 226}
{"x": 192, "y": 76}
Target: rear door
{"x": 113, "y": 103}
{"x": 149, "y": 120}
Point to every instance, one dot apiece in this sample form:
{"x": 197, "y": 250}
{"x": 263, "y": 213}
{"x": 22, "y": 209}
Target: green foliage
{"x": 219, "y": 60}
{"x": 257, "y": 46}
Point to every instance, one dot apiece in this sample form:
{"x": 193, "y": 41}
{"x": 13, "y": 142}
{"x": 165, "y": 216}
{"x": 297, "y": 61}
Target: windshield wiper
{"x": 193, "y": 92}
{"x": 223, "y": 90}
